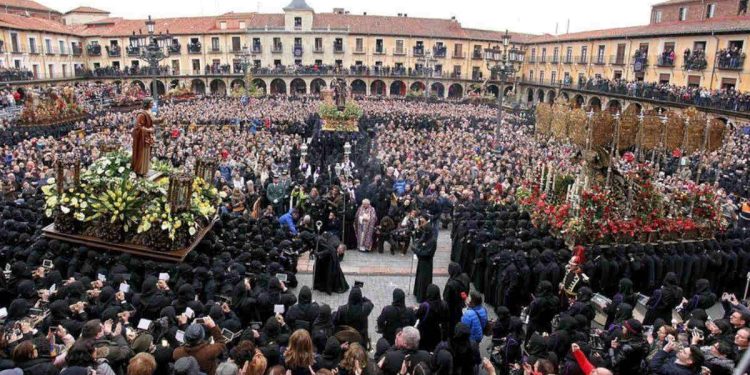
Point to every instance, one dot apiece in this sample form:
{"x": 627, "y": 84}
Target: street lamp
{"x": 503, "y": 63}
{"x": 428, "y": 63}
{"x": 152, "y": 49}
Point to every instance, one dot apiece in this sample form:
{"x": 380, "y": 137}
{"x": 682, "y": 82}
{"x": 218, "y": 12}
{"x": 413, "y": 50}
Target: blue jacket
{"x": 476, "y": 319}
{"x": 286, "y": 220}
{"x": 663, "y": 364}
{"x": 399, "y": 186}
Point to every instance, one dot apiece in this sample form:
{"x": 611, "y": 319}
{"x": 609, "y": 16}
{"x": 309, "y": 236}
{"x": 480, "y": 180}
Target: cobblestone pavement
{"x": 381, "y": 273}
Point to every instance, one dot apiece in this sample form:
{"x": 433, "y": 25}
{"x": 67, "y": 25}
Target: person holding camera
{"x": 197, "y": 346}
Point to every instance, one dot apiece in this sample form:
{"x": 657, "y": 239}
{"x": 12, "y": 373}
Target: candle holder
{"x": 180, "y": 192}
{"x": 205, "y": 167}
{"x": 67, "y": 173}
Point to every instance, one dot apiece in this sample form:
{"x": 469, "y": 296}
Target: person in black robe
{"x": 424, "y": 249}
{"x": 395, "y": 316}
{"x": 663, "y": 300}
{"x": 327, "y": 276}
{"x": 454, "y": 294}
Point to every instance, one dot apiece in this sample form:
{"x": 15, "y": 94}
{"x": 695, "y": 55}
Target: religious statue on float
{"x": 339, "y": 92}
{"x": 143, "y": 139}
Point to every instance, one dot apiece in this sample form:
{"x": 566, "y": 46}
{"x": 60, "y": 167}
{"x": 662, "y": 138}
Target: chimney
{"x": 364, "y": 13}
{"x": 406, "y": 15}
{"x": 453, "y": 18}
{"x": 399, "y": 14}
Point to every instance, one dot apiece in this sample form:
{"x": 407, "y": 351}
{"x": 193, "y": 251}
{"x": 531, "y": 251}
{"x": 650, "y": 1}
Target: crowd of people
{"x": 414, "y": 167}
{"x": 725, "y": 98}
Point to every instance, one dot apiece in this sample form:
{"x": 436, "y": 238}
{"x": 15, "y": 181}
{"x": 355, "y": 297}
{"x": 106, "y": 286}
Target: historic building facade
{"x": 696, "y": 43}
{"x": 387, "y": 53}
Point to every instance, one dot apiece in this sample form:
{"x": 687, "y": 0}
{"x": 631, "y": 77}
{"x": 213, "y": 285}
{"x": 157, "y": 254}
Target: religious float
{"x": 336, "y": 114}
{"x": 179, "y": 94}
{"x": 162, "y": 216}
{"x": 609, "y": 191}
{"x": 51, "y": 108}
{"x": 130, "y": 98}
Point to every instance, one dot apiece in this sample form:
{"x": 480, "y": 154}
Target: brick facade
{"x": 696, "y": 10}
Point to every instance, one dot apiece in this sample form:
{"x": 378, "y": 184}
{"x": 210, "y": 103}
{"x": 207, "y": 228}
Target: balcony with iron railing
{"x": 338, "y": 49}
{"x": 477, "y": 55}
{"x": 113, "y": 51}
{"x": 617, "y": 60}
{"x": 16, "y": 49}
{"x": 76, "y": 50}
{"x": 256, "y": 49}
{"x": 599, "y": 60}
{"x": 318, "y": 49}
{"x": 359, "y": 50}
{"x": 440, "y": 52}
{"x": 399, "y": 52}
{"x": 568, "y": 59}
{"x": 94, "y": 50}
{"x": 277, "y": 48}
{"x": 175, "y": 48}
{"x": 194, "y": 48}
{"x": 695, "y": 61}
{"x": 63, "y": 52}
{"x": 215, "y": 49}
{"x": 49, "y": 51}
{"x": 665, "y": 61}
{"x": 729, "y": 61}
{"x": 458, "y": 55}
{"x": 582, "y": 60}
{"x": 417, "y": 51}
{"x": 543, "y": 59}
{"x": 34, "y": 50}
{"x": 640, "y": 63}
{"x": 132, "y": 51}
{"x": 379, "y": 50}
{"x": 555, "y": 60}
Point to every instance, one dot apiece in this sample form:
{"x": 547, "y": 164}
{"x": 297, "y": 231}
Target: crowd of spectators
{"x": 226, "y": 310}
{"x": 725, "y": 98}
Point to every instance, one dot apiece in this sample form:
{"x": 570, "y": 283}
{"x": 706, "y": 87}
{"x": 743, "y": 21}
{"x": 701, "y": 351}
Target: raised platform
{"x": 138, "y": 250}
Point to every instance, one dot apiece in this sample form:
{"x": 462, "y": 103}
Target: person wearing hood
{"x": 663, "y": 300}
{"x": 327, "y": 274}
{"x": 625, "y": 294}
{"x": 330, "y": 356}
{"x": 303, "y": 314}
{"x": 395, "y": 316}
{"x": 582, "y": 305}
{"x": 322, "y": 328}
{"x": 433, "y": 319}
{"x": 155, "y": 295}
{"x": 186, "y": 298}
{"x": 276, "y": 294}
{"x": 354, "y": 314}
{"x": 455, "y": 292}
{"x": 559, "y": 341}
{"x": 542, "y": 309}
{"x": 424, "y": 248}
{"x": 459, "y": 355}
{"x": 702, "y": 298}
{"x": 197, "y": 346}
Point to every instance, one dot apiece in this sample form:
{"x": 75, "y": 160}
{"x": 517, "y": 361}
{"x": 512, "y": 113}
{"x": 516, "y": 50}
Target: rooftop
{"x": 88, "y": 10}
{"x": 26, "y": 4}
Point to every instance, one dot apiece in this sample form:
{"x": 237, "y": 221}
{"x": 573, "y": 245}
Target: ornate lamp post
{"x": 428, "y": 63}
{"x": 153, "y": 49}
{"x": 503, "y": 63}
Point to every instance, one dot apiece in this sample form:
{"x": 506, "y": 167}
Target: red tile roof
{"x": 716, "y": 25}
{"x": 34, "y": 24}
{"x": 672, "y": 2}
{"x": 26, "y": 4}
{"x": 88, "y": 10}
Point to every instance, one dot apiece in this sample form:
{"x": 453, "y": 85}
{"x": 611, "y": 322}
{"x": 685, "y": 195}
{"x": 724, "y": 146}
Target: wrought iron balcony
{"x": 113, "y": 51}
{"x": 175, "y": 48}
{"x": 665, "y": 61}
{"x": 94, "y": 50}
{"x": 194, "y": 48}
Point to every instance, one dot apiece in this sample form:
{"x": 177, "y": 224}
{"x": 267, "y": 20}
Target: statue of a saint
{"x": 339, "y": 93}
{"x": 143, "y": 139}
